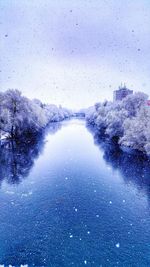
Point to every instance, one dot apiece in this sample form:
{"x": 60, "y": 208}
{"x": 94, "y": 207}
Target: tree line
{"x": 127, "y": 121}
{"x": 22, "y": 117}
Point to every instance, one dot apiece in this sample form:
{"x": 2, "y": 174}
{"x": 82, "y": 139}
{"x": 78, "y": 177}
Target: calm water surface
{"x": 65, "y": 201}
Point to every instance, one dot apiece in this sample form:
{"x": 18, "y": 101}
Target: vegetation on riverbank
{"x": 127, "y": 121}
{"x": 22, "y": 117}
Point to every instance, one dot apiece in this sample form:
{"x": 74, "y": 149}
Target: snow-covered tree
{"x": 133, "y": 103}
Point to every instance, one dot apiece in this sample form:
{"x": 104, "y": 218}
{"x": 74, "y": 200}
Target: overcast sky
{"x": 74, "y": 52}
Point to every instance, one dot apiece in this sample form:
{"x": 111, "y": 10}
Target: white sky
{"x": 74, "y": 52}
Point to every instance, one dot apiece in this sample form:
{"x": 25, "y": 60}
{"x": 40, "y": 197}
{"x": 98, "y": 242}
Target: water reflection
{"x": 53, "y": 128}
{"x": 134, "y": 168}
{"x": 17, "y": 158}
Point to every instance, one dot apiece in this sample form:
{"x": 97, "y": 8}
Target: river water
{"x": 67, "y": 200}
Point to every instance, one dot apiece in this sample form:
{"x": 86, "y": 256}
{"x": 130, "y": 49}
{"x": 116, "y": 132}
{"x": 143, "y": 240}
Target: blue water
{"x": 69, "y": 200}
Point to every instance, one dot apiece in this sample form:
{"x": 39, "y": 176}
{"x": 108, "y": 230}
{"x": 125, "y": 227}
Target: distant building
{"x": 121, "y": 93}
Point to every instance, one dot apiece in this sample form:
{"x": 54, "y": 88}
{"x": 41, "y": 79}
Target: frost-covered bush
{"x": 114, "y": 123}
{"x": 128, "y": 121}
{"x": 91, "y": 115}
{"x": 137, "y": 131}
{"x": 147, "y": 134}
{"x": 55, "y": 114}
{"x": 133, "y": 103}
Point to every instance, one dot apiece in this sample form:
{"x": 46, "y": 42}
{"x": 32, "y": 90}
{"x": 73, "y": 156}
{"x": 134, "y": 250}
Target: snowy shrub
{"x": 133, "y": 103}
{"x": 114, "y": 122}
{"x": 136, "y": 131}
{"x": 91, "y": 115}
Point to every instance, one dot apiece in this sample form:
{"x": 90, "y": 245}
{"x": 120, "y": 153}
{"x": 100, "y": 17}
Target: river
{"x": 68, "y": 200}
